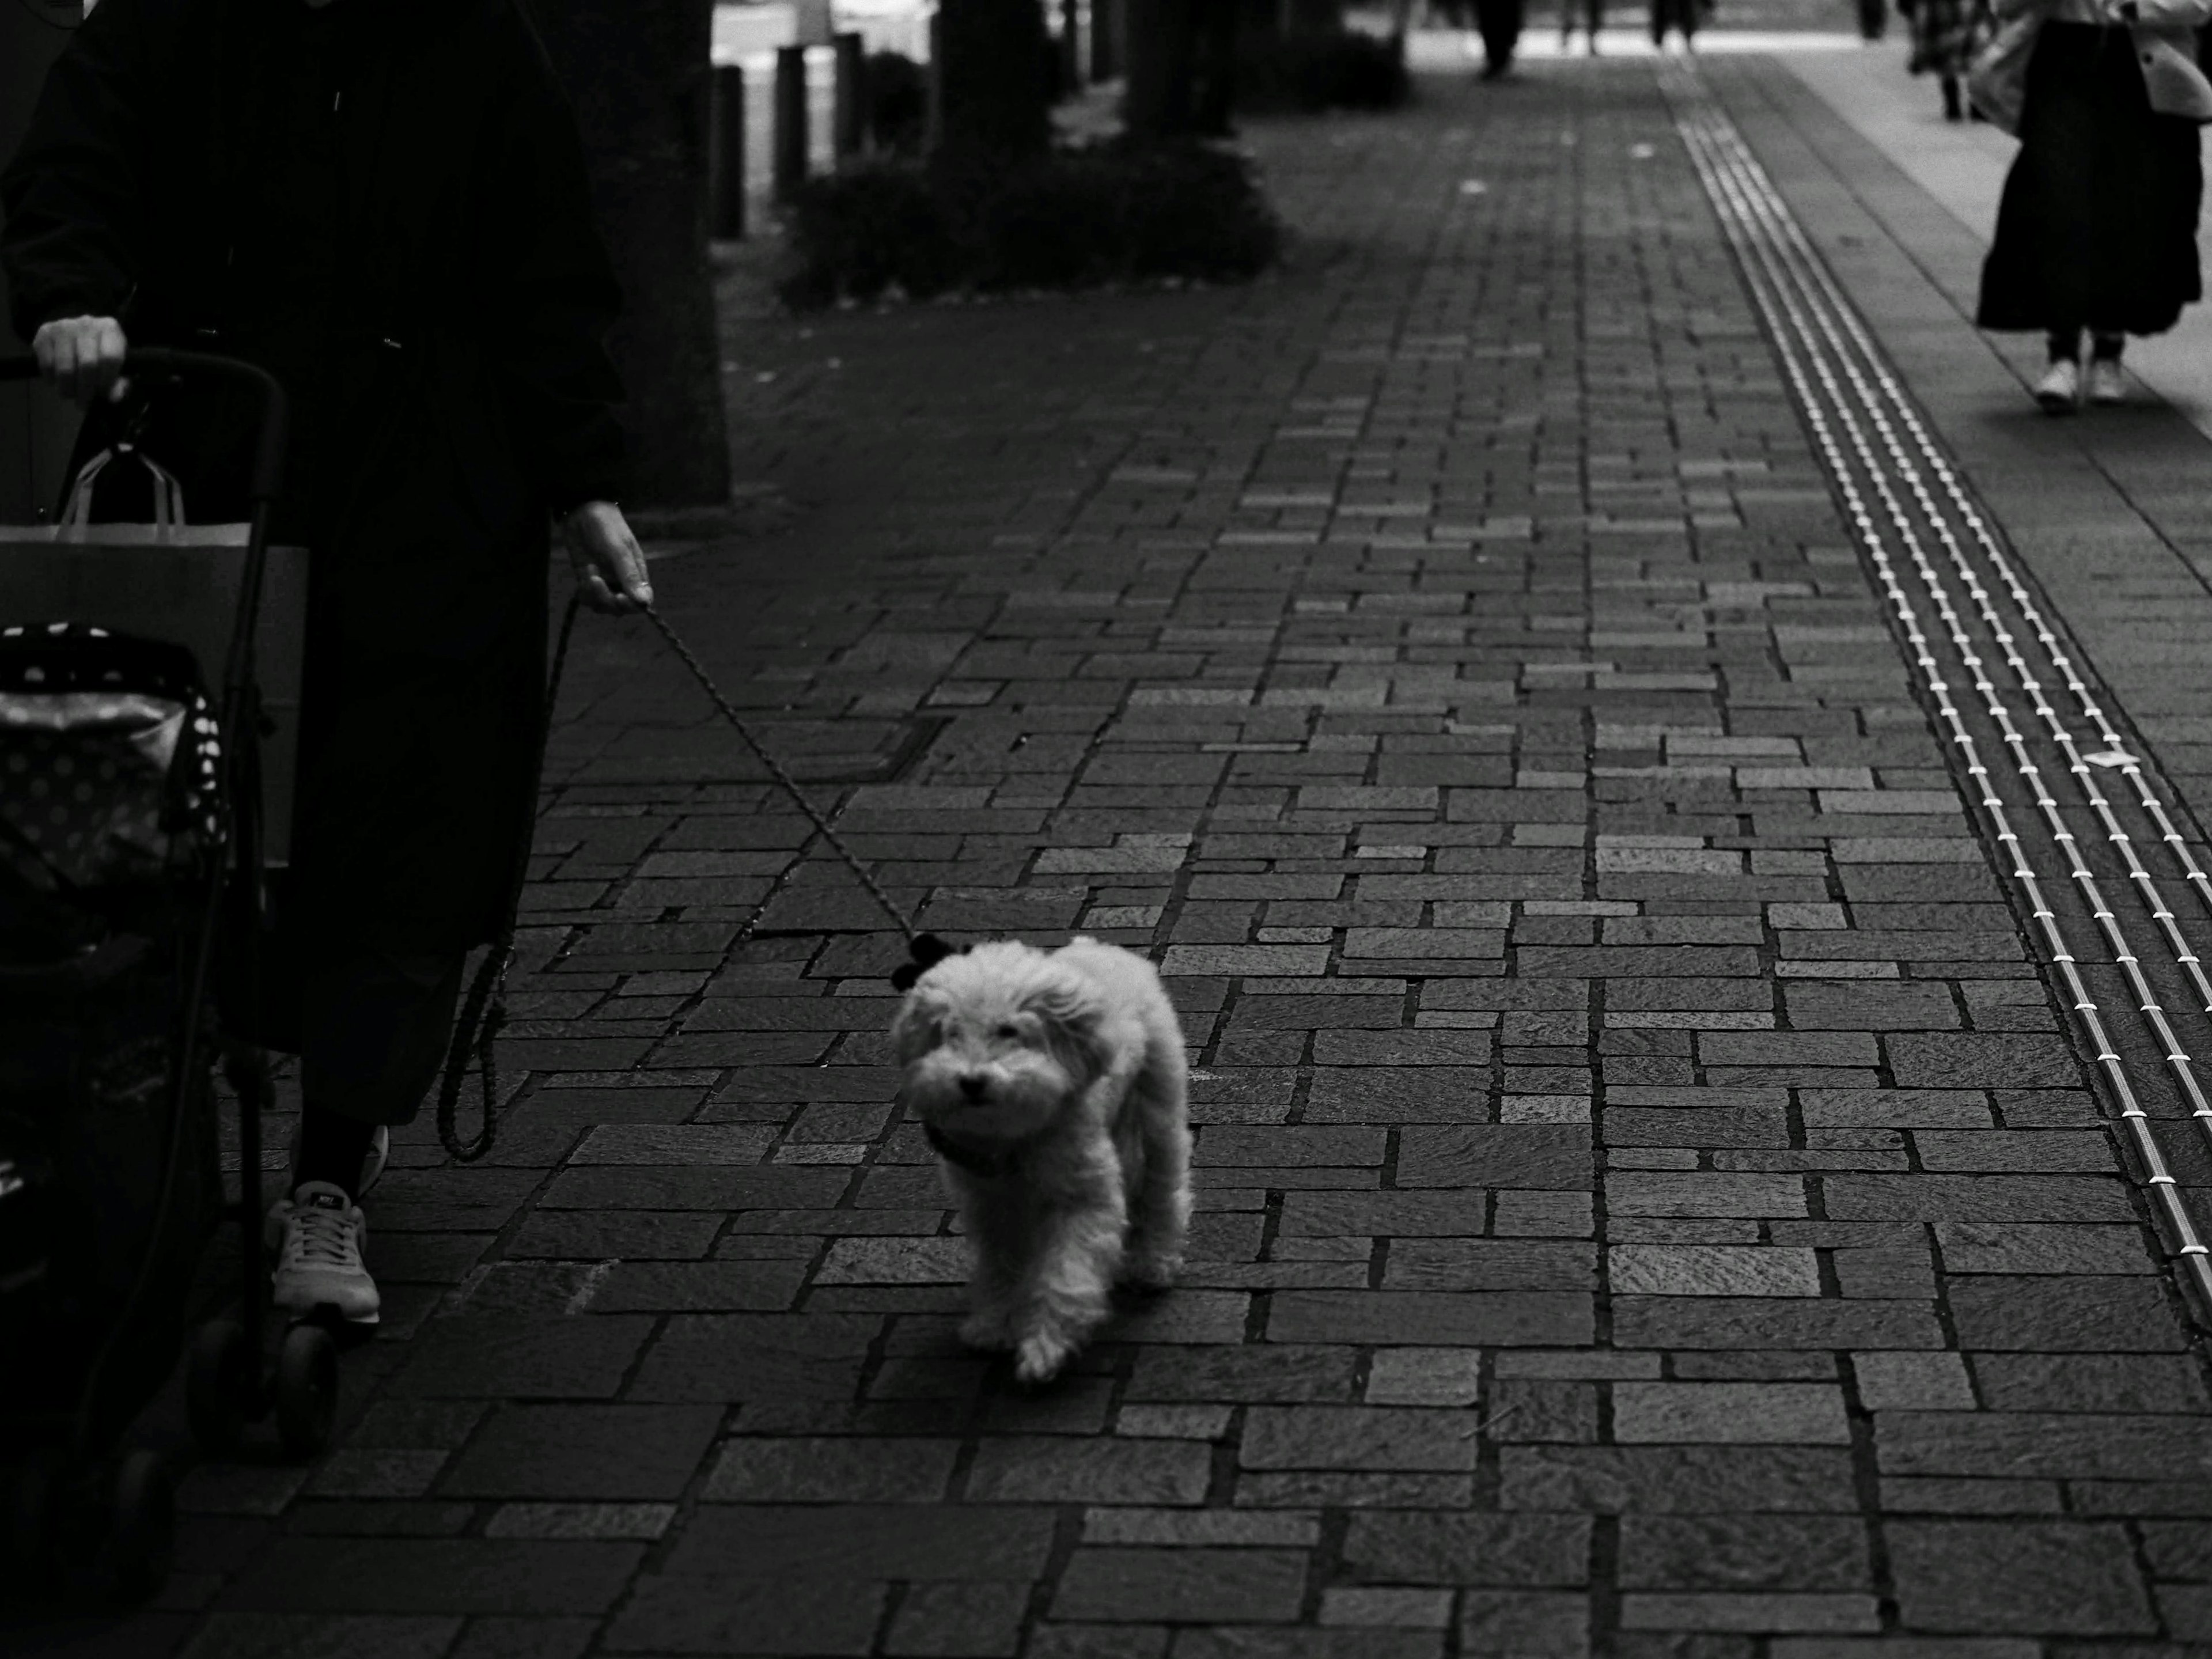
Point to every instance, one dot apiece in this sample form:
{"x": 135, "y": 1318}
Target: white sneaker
{"x": 2059, "y": 391}
{"x": 2106, "y": 383}
{"x": 317, "y": 1236}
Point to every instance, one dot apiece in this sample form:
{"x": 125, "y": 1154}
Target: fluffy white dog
{"x": 1054, "y": 1087}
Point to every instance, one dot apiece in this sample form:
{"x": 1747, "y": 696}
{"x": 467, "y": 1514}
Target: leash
{"x": 484, "y": 1011}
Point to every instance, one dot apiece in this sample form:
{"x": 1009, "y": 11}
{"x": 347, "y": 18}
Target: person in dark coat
{"x": 383, "y": 203}
{"x": 2097, "y": 227}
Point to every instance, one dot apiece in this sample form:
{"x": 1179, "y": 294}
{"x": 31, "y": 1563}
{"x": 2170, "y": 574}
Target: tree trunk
{"x": 1157, "y": 103}
{"x": 992, "y": 67}
{"x": 640, "y": 76}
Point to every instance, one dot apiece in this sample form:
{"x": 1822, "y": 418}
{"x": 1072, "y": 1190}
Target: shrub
{"x": 1074, "y": 218}
{"x": 1309, "y": 72}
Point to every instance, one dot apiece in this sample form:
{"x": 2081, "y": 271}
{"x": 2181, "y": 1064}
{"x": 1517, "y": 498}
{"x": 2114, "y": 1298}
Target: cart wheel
{"x": 217, "y": 1383}
{"x": 306, "y": 1390}
{"x": 142, "y": 1525}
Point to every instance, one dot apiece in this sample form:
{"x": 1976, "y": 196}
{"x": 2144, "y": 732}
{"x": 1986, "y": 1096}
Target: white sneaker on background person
{"x": 2059, "y": 391}
{"x": 2107, "y": 385}
{"x": 318, "y": 1236}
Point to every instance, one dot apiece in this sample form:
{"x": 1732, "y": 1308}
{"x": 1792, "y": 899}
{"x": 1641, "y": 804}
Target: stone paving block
{"x": 1749, "y": 1413}
{"x": 1196, "y": 1586}
{"x": 1357, "y": 1437}
{"x": 1677, "y": 1479}
{"x": 2078, "y": 1315}
{"x": 1397, "y": 1318}
{"x": 581, "y": 1357}
{"x": 832, "y": 1471}
{"x": 1974, "y": 1247}
{"x": 1270, "y": 1641}
{"x": 1513, "y": 1550}
{"x": 995, "y": 1543}
{"x": 1489, "y": 1264}
{"x": 1030, "y": 1469}
{"x": 726, "y": 1357}
{"x": 270, "y": 1635}
{"x": 1913, "y": 1381}
{"x": 1995, "y": 1198}
{"x": 2043, "y": 1444}
{"x": 1539, "y": 1156}
{"x": 2125, "y": 1384}
{"x": 1711, "y": 1270}
{"x": 445, "y": 1576}
{"x": 958, "y": 1619}
{"x": 1523, "y": 1624}
{"x": 676, "y": 1614}
{"x": 1638, "y": 1193}
{"x": 1967, "y": 1060}
{"x": 585, "y": 1451}
{"x": 1745, "y": 1552}
{"x": 2038, "y": 1577}
{"x": 1266, "y": 1373}
{"x": 1773, "y": 1611}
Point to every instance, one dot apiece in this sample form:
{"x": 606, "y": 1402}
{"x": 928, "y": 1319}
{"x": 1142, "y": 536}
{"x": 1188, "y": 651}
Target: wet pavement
{"x": 1657, "y": 1191}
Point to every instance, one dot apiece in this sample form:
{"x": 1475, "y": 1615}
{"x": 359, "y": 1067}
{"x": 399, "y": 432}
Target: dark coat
{"x": 457, "y": 393}
{"x": 2097, "y": 227}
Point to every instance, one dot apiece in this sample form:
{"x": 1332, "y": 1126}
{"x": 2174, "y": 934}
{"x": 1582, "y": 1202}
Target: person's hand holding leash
{"x": 610, "y": 564}
{"x": 83, "y": 356}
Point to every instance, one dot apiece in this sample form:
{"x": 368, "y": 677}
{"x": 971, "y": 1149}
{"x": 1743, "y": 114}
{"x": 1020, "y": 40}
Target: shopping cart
{"x": 133, "y": 880}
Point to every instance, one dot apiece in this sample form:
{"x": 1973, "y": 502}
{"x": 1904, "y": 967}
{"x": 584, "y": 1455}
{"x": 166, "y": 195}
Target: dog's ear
{"x": 1074, "y": 1017}
{"x": 914, "y": 1031}
{"x": 924, "y": 951}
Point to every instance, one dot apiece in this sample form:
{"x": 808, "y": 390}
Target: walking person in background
{"x": 1500, "y": 21}
{"x": 1945, "y": 35}
{"x": 2097, "y": 227}
{"x": 1683, "y": 16}
{"x": 1592, "y": 13}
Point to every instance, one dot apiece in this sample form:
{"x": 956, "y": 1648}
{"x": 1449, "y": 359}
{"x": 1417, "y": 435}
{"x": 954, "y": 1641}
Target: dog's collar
{"x": 990, "y": 1165}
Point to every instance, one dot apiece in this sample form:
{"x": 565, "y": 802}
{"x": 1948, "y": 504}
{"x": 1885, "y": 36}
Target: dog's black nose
{"x": 973, "y": 1085}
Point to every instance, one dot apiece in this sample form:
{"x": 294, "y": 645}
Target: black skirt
{"x": 2098, "y": 225}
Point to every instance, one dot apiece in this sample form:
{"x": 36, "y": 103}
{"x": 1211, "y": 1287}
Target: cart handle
{"x": 275, "y": 408}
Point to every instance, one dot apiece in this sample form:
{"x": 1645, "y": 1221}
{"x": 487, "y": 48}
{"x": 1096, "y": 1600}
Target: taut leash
{"x": 484, "y": 1011}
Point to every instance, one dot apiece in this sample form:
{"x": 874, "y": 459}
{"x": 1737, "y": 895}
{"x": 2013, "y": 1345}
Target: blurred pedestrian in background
{"x": 1500, "y": 21}
{"x": 1592, "y": 13}
{"x": 2097, "y": 227}
{"x": 1683, "y": 16}
{"x": 1945, "y": 34}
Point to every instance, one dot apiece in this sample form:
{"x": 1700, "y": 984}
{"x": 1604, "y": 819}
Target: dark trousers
{"x": 1673, "y": 13}
{"x": 1500, "y": 21}
{"x": 374, "y": 1028}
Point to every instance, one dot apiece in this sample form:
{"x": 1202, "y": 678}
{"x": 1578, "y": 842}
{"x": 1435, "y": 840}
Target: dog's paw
{"x": 986, "y": 1330}
{"x": 1039, "y": 1356}
{"x": 1151, "y": 1270}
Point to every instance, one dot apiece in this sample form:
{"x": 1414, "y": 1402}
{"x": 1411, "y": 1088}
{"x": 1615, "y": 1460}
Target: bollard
{"x": 790, "y": 121}
{"x": 934, "y": 124}
{"x": 726, "y": 155}
{"x": 849, "y": 103}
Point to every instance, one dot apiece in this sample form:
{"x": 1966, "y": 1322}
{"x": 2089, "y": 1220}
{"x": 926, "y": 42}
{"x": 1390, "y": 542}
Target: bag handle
{"x": 76, "y": 522}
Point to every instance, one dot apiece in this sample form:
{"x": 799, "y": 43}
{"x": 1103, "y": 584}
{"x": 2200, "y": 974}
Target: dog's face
{"x": 995, "y": 1043}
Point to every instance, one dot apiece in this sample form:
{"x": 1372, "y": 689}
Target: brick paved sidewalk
{"x": 1648, "y": 1203}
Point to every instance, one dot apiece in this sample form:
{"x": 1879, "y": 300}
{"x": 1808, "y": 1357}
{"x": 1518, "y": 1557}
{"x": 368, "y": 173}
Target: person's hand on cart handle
{"x": 610, "y": 564}
{"x": 83, "y": 356}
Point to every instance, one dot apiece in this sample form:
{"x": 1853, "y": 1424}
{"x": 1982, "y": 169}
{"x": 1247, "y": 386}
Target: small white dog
{"x": 1054, "y": 1087}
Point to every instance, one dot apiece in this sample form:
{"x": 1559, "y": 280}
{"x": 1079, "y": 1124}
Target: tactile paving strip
{"x": 1931, "y": 549}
